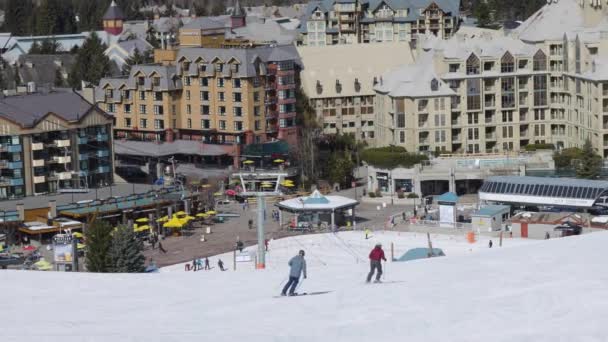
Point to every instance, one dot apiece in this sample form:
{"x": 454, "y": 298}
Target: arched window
{"x": 540, "y": 61}
{"x": 507, "y": 63}
{"x": 472, "y": 65}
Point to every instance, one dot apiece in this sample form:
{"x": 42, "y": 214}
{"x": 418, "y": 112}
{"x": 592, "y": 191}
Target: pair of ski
{"x": 325, "y": 292}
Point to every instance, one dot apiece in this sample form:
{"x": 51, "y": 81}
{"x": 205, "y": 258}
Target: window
{"x": 141, "y": 80}
{"x": 128, "y": 122}
{"x": 222, "y": 125}
{"x": 540, "y": 61}
{"x": 143, "y": 123}
{"x": 109, "y": 93}
{"x": 159, "y": 124}
{"x": 187, "y": 81}
{"x": 540, "y": 90}
{"x": 237, "y": 111}
{"x": 401, "y": 120}
{"x": 205, "y": 124}
{"x": 238, "y": 126}
{"x": 402, "y": 137}
{"x": 454, "y": 67}
{"x": 507, "y": 116}
{"x": 204, "y": 110}
{"x": 189, "y": 109}
{"x": 222, "y": 111}
{"x": 221, "y": 96}
{"x": 236, "y": 83}
{"x": 507, "y": 63}
{"x": 142, "y": 109}
{"x": 236, "y": 97}
{"x": 220, "y": 83}
{"x": 434, "y": 85}
{"x": 508, "y": 92}
{"x": 158, "y": 110}
{"x": 111, "y": 108}
{"x": 142, "y": 95}
{"x": 257, "y": 125}
{"x": 473, "y": 65}
{"x": 126, "y": 94}
{"x": 473, "y": 94}
{"x": 158, "y": 96}
{"x": 473, "y": 118}
{"x": 204, "y": 82}
{"x": 204, "y": 96}
{"x": 256, "y": 111}
{"x": 127, "y": 109}
{"x": 189, "y": 123}
{"x": 187, "y": 94}
{"x": 156, "y": 81}
{"x": 523, "y": 64}
{"x": 256, "y": 96}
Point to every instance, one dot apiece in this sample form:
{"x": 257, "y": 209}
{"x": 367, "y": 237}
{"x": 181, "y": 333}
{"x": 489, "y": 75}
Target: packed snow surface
{"x": 552, "y": 290}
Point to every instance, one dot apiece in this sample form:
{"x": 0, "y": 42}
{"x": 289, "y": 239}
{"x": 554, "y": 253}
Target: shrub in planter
{"x": 400, "y": 195}
{"x": 372, "y": 194}
{"x": 378, "y": 193}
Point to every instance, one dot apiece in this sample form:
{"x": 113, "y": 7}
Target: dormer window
{"x": 186, "y": 66}
{"x": 319, "y": 87}
{"x": 219, "y": 67}
{"x": 141, "y": 80}
{"x": 357, "y": 85}
{"x": 235, "y": 68}
{"x": 338, "y": 87}
{"x": 156, "y": 81}
{"x": 109, "y": 93}
{"x": 202, "y": 67}
{"x": 434, "y": 85}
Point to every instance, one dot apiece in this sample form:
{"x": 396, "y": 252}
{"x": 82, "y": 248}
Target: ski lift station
{"x": 315, "y": 211}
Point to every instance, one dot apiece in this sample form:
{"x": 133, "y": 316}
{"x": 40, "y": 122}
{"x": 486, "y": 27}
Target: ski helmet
{"x": 379, "y": 244}
{"x": 302, "y": 252}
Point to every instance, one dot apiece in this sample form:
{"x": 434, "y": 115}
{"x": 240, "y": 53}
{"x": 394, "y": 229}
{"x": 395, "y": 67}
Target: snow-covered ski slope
{"x": 551, "y": 290}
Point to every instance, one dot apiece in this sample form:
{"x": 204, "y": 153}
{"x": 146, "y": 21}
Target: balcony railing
{"x": 38, "y": 162}
{"x": 37, "y": 146}
{"x": 83, "y": 156}
{"x": 62, "y": 143}
{"x": 83, "y": 140}
{"x": 15, "y": 165}
{"x": 490, "y": 136}
{"x": 39, "y": 179}
{"x": 103, "y": 153}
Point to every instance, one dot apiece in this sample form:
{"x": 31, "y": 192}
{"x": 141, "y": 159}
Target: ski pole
{"x": 384, "y": 273}
{"x": 299, "y": 284}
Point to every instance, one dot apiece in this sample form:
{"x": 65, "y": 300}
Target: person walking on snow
{"x": 297, "y": 266}
{"x": 375, "y": 258}
{"x": 220, "y": 264}
{"x": 207, "y": 264}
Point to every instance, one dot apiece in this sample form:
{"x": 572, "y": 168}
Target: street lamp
{"x": 391, "y": 186}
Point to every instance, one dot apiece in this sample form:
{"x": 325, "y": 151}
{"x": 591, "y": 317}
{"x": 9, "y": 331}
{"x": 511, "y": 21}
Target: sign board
{"x": 62, "y": 248}
{"x": 446, "y": 215}
{"x": 243, "y": 257}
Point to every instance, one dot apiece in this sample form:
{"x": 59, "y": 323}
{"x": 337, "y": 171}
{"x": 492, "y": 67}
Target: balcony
{"x": 82, "y": 140}
{"x": 61, "y": 160}
{"x": 39, "y": 179}
{"x": 490, "y": 104}
{"x": 37, "y": 162}
{"x": 456, "y": 138}
{"x": 62, "y": 143}
{"x": 103, "y": 153}
{"x": 15, "y": 165}
{"x": 37, "y": 146}
{"x": 489, "y": 119}
{"x": 83, "y": 156}
{"x": 490, "y": 136}
{"x": 16, "y": 182}
{"x": 11, "y": 148}
{"x": 64, "y": 175}
{"x": 101, "y": 137}
{"x": 102, "y": 169}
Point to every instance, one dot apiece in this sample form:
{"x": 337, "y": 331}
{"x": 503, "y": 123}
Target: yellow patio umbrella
{"x": 279, "y": 161}
{"x": 141, "y": 228}
{"x": 186, "y": 219}
{"x": 211, "y": 212}
{"x": 163, "y": 219}
{"x": 81, "y": 246}
{"x": 180, "y": 213}
{"x": 77, "y": 235}
{"x": 217, "y": 194}
{"x": 206, "y": 186}
{"x": 248, "y": 162}
{"x": 202, "y": 215}
{"x": 142, "y": 220}
{"x": 289, "y": 185}
{"x": 266, "y": 186}
{"x": 173, "y": 223}
{"x": 286, "y": 182}
{"x": 43, "y": 265}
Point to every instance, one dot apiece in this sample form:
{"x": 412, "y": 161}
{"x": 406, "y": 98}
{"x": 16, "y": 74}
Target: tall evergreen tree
{"x": 126, "y": 252}
{"x": 91, "y": 63}
{"x": 17, "y": 16}
{"x": 137, "y": 59}
{"x": 99, "y": 241}
{"x": 591, "y": 163}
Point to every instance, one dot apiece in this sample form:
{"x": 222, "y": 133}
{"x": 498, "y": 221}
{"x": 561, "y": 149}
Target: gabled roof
{"x": 28, "y": 110}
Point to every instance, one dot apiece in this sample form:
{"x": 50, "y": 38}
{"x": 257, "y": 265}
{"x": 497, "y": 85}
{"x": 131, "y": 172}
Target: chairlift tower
{"x": 261, "y": 196}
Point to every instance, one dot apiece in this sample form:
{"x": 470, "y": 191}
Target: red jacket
{"x": 377, "y": 254}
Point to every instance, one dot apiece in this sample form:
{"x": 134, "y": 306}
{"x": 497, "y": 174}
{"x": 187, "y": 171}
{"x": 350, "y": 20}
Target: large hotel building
{"x": 545, "y": 82}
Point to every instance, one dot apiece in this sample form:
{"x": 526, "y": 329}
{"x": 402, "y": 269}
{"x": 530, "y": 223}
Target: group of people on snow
{"x": 203, "y": 264}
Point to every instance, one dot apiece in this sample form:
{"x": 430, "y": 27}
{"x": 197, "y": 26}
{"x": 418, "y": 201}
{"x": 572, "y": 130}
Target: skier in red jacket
{"x": 375, "y": 257}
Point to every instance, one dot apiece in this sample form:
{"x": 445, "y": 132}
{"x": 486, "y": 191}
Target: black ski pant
{"x": 375, "y": 265}
{"x": 291, "y": 285}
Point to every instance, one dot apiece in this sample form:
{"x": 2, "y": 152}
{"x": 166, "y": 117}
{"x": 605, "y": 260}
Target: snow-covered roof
{"x": 316, "y": 201}
{"x": 552, "y": 21}
{"x": 416, "y": 80}
{"x": 326, "y": 65}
